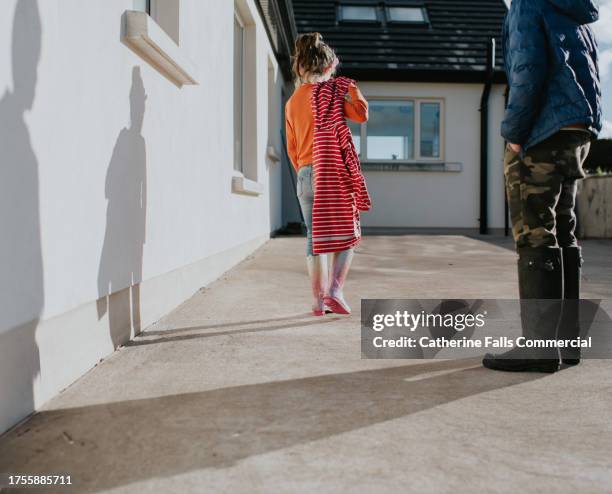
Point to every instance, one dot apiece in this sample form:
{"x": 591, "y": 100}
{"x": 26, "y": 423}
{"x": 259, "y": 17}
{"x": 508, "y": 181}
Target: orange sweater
{"x": 299, "y": 121}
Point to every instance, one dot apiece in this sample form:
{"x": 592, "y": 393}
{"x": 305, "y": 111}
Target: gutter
{"x": 484, "y": 137}
{"x": 279, "y": 22}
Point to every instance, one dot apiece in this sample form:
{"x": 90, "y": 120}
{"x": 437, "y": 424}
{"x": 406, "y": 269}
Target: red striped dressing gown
{"x": 340, "y": 188}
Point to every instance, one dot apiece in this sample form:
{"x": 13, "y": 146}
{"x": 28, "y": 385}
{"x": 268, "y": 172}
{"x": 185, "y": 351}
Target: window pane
{"x": 142, "y": 5}
{"x": 350, "y": 13}
{"x": 238, "y": 92}
{"x": 390, "y": 130}
{"x": 406, "y": 14}
{"x": 356, "y": 131}
{"x": 430, "y": 130}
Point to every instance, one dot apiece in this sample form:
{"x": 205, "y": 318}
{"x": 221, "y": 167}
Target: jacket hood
{"x": 582, "y": 11}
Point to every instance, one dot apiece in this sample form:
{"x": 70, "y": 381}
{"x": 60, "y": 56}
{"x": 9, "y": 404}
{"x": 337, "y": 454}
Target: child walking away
{"x": 330, "y": 186}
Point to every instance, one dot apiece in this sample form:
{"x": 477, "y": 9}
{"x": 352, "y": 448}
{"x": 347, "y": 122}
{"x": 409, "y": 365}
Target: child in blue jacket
{"x": 553, "y": 113}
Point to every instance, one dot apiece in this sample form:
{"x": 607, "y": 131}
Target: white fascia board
{"x": 149, "y": 41}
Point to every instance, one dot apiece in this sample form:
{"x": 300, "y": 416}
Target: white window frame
{"x": 417, "y": 131}
{"x": 274, "y": 122}
{"x": 245, "y": 180}
{"x": 167, "y": 13}
{"x": 143, "y": 33}
{"x": 240, "y": 169}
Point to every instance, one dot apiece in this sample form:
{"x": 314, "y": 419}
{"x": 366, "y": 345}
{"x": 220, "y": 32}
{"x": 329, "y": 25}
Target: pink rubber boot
{"x": 340, "y": 265}
{"x": 317, "y": 270}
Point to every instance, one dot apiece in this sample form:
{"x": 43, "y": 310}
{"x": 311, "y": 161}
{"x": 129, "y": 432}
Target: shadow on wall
{"x": 21, "y": 267}
{"x": 120, "y": 271}
{"x": 218, "y": 428}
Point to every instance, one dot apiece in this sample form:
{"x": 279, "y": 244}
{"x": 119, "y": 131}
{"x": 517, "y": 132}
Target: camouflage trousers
{"x": 541, "y": 189}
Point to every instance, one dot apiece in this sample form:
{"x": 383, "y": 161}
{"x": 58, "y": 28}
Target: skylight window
{"x": 358, "y": 13}
{"x": 407, "y": 14}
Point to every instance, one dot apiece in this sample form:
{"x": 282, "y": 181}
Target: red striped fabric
{"x": 340, "y": 188}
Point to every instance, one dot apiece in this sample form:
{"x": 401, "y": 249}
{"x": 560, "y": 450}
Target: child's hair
{"x": 312, "y": 56}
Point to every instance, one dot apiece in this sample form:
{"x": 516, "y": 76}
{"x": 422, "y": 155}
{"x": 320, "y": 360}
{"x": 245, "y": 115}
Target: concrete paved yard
{"x": 241, "y": 390}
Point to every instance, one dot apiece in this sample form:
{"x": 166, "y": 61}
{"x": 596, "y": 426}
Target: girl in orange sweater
{"x": 314, "y": 62}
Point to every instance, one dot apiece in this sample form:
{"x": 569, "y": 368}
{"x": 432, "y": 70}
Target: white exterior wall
{"x": 56, "y": 185}
{"x": 442, "y": 199}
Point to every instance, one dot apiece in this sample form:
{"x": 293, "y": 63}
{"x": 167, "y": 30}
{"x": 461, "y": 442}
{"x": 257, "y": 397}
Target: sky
{"x": 603, "y": 30}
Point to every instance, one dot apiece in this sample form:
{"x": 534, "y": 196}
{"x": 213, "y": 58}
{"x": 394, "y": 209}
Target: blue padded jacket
{"x": 550, "y": 54}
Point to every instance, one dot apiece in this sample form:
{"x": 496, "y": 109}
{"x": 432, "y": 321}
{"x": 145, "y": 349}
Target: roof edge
{"x": 411, "y": 75}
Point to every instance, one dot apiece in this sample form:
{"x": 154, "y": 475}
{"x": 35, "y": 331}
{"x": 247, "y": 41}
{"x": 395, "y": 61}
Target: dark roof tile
{"x": 452, "y": 47}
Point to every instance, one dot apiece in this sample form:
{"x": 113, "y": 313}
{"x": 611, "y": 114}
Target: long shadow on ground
{"x": 115, "y": 444}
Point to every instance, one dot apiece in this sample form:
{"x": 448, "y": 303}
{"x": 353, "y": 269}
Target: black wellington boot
{"x": 569, "y": 327}
{"x": 540, "y": 276}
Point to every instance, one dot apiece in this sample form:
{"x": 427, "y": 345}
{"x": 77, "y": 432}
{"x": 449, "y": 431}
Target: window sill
{"x": 420, "y": 166}
{"x": 244, "y": 186}
{"x": 149, "y": 41}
